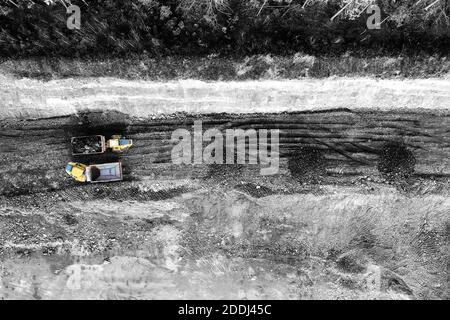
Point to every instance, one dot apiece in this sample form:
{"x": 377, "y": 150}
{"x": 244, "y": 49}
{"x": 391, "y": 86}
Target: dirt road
{"x": 35, "y": 151}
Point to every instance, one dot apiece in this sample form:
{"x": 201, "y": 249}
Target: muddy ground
{"x": 339, "y": 228}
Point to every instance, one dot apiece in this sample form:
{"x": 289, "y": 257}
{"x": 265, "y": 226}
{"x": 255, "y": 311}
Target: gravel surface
{"x": 336, "y": 230}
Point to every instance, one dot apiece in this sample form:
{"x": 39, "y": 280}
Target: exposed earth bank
{"x": 36, "y": 99}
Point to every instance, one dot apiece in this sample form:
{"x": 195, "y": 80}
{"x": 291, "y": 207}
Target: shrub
{"x": 162, "y": 27}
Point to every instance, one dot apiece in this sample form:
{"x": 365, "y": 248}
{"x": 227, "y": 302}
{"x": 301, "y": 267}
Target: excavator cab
{"x": 76, "y": 171}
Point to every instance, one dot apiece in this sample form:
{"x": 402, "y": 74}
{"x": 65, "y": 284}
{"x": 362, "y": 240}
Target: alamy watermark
{"x": 74, "y": 19}
{"x": 234, "y": 146}
{"x": 373, "y": 21}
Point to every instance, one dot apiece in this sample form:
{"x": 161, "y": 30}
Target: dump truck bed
{"x": 106, "y": 172}
{"x": 88, "y": 145}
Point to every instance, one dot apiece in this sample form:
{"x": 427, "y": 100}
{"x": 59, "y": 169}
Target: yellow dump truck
{"x": 105, "y": 172}
{"x": 88, "y": 145}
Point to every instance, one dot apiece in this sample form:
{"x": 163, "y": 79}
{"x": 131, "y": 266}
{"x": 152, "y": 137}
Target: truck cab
{"x": 119, "y": 144}
{"x": 77, "y": 171}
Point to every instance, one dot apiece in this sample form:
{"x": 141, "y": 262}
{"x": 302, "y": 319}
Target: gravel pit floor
{"x": 337, "y": 230}
{"x": 197, "y": 231}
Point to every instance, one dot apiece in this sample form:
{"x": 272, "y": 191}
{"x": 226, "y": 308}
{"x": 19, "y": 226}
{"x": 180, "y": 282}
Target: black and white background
{"x": 358, "y": 90}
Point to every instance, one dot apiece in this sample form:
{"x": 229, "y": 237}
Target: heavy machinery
{"x": 106, "y": 172}
{"x": 88, "y": 145}
{"x": 76, "y": 171}
{"x": 119, "y": 144}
